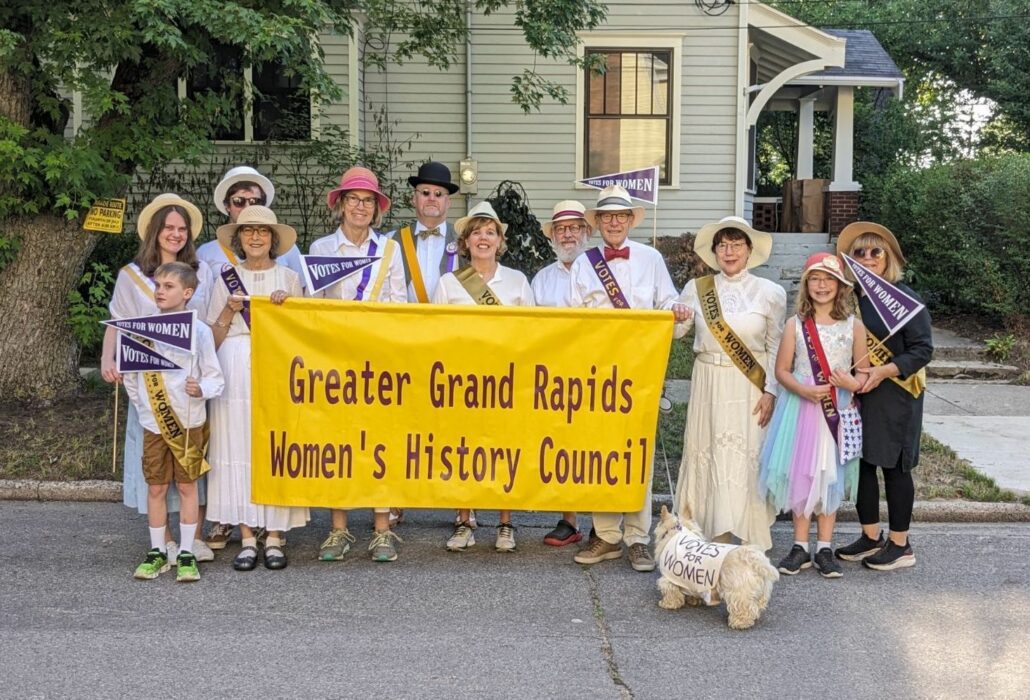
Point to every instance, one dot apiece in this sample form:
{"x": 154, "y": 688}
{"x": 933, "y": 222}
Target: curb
{"x": 950, "y": 511}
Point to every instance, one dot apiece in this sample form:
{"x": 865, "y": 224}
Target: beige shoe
{"x": 640, "y": 557}
{"x": 597, "y": 551}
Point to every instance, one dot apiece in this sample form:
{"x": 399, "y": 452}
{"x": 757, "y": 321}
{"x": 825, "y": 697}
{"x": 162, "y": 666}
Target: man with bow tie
{"x": 429, "y": 245}
{"x": 621, "y": 274}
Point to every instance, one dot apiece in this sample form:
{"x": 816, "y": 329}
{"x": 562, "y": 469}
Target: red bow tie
{"x": 612, "y": 253}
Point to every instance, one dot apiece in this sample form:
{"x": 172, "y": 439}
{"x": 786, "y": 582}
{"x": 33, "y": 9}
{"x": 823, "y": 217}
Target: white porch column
{"x": 806, "y": 138}
{"x": 843, "y": 141}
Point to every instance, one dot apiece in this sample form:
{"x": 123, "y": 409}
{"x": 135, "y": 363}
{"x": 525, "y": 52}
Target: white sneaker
{"x": 202, "y": 552}
{"x": 505, "y": 541}
{"x": 462, "y": 539}
{"x": 471, "y": 521}
{"x": 173, "y": 552}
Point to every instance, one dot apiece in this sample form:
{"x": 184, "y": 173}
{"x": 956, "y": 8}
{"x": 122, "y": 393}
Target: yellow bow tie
{"x": 426, "y": 233}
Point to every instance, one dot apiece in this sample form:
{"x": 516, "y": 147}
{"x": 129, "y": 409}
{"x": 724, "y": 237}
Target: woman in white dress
{"x": 167, "y": 227}
{"x": 257, "y": 239}
{"x": 483, "y": 281}
{"x": 729, "y": 410}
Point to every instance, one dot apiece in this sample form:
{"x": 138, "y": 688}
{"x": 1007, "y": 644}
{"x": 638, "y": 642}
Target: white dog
{"x": 695, "y": 571}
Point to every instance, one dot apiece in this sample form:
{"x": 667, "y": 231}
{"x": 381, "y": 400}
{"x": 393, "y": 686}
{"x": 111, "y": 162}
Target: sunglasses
{"x": 246, "y": 201}
{"x": 870, "y": 252}
{"x": 432, "y": 193}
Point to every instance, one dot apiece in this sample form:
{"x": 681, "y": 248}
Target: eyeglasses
{"x": 432, "y": 193}
{"x": 255, "y": 231}
{"x": 620, "y": 216}
{"x": 870, "y": 252}
{"x": 571, "y": 228}
{"x": 726, "y": 247}
{"x": 240, "y": 202}
{"x": 354, "y": 201}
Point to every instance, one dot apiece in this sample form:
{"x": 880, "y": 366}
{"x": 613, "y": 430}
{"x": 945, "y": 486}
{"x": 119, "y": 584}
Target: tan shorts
{"x": 159, "y": 464}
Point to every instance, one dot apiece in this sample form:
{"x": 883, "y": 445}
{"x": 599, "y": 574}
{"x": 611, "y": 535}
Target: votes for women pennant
{"x": 323, "y": 271}
{"x": 134, "y": 356}
{"x": 174, "y": 329}
{"x": 641, "y": 184}
{"x": 894, "y": 306}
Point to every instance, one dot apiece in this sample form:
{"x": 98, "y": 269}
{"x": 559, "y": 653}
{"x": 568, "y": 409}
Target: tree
{"x": 124, "y": 57}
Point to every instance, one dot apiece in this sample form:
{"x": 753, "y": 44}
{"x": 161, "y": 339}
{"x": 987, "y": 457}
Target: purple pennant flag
{"x": 174, "y": 329}
{"x": 235, "y": 286}
{"x": 641, "y": 184}
{"x": 894, "y": 307}
{"x": 323, "y": 271}
{"x": 134, "y": 356}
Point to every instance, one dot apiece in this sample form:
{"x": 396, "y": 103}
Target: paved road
{"x": 530, "y": 625}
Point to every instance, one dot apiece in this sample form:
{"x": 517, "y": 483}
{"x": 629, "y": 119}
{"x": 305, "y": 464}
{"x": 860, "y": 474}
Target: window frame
{"x": 604, "y": 41}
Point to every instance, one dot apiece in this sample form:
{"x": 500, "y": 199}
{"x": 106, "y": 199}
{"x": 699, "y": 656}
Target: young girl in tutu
{"x": 802, "y": 469}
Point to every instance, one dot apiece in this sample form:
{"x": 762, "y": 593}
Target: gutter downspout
{"x": 468, "y": 90}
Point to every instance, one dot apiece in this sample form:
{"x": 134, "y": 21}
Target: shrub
{"x": 683, "y": 263}
{"x": 528, "y": 247}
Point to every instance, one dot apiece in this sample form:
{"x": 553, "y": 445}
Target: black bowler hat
{"x": 433, "y": 173}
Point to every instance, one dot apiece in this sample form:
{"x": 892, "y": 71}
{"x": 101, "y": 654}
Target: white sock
{"x": 273, "y": 542}
{"x": 803, "y": 545}
{"x": 157, "y": 538}
{"x": 187, "y": 533}
{"x": 820, "y": 545}
{"x": 249, "y": 542}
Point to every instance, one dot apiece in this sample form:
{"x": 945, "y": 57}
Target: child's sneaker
{"x": 201, "y": 551}
{"x": 219, "y": 535}
{"x": 826, "y": 565}
{"x": 796, "y": 560}
{"x": 153, "y": 566}
{"x": 186, "y": 568}
{"x": 505, "y": 541}
{"x": 891, "y": 557}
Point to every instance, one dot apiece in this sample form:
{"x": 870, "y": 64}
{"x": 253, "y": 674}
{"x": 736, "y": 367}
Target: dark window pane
{"x": 220, "y": 82}
{"x": 282, "y": 109}
{"x": 595, "y": 89}
{"x": 613, "y": 84}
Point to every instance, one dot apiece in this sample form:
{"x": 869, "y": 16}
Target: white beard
{"x": 567, "y": 256}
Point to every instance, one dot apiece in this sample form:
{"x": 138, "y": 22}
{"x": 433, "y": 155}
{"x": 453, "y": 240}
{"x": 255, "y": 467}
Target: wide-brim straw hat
{"x": 850, "y": 233}
{"x": 761, "y": 241}
{"x": 257, "y": 215}
{"x": 565, "y": 210}
{"x": 615, "y": 198}
{"x": 358, "y": 178}
{"x": 242, "y": 173}
{"x": 825, "y": 262}
{"x": 433, "y": 172}
{"x": 483, "y": 210}
{"x": 169, "y": 199}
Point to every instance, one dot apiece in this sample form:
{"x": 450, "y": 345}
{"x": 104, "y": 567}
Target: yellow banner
{"x": 414, "y": 405}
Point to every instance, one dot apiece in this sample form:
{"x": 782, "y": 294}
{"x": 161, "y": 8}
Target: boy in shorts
{"x": 171, "y": 406}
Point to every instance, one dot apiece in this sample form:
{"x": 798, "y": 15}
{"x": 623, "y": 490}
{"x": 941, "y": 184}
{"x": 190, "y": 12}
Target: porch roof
{"x": 866, "y": 64}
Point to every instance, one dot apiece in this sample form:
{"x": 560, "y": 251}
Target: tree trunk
{"x": 38, "y": 354}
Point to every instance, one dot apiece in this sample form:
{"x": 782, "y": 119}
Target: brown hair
{"x": 237, "y": 246}
{"x": 843, "y": 302}
{"x": 148, "y": 257}
{"x": 476, "y": 224}
{"x": 244, "y": 185}
{"x": 894, "y": 271}
{"x": 730, "y": 234}
{"x": 180, "y": 271}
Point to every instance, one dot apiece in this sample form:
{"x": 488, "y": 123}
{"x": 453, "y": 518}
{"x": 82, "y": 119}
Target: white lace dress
{"x": 718, "y": 478}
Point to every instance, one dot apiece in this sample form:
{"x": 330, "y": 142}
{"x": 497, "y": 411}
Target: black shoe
{"x": 860, "y": 548}
{"x": 246, "y": 560}
{"x": 795, "y": 561}
{"x": 826, "y": 565}
{"x": 274, "y": 558}
{"x": 564, "y": 533}
{"x": 891, "y": 557}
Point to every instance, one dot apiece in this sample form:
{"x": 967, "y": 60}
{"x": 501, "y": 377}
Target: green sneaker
{"x": 186, "y": 568}
{"x": 153, "y": 566}
{"x": 336, "y": 545}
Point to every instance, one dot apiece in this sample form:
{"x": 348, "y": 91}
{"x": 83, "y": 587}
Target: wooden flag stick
{"x": 114, "y": 438}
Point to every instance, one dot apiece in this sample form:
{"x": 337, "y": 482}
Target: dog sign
{"x": 693, "y": 564}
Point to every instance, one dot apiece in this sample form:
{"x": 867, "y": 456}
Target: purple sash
{"x": 366, "y": 275}
{"x": 607, "y": 278}
{"x": 820, "y": 370}
{"x": 235, "y": 286}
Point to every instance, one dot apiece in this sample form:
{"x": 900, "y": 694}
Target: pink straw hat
{"x": 358, "y": 178}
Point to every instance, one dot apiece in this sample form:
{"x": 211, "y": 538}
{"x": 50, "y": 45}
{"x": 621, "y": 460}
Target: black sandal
{"x": 246, "y": 560}
{"x": 274, "y": 557}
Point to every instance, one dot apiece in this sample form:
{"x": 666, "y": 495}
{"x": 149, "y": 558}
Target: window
{"x": 628, "y": 112}
{"x": 281, "y": 109}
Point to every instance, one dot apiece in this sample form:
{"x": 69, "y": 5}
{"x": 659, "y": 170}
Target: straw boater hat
{"x": 169, "y": 199}
{"x": 825, "y": 262}
{"x": 615, "y": 198}
{"x": 258, "y": 215}
{"x": 854, "y": 230}
{"x": 483, "y": 210}
{"x": 358, "y": 178}
{"x": 761, "y": 242}
{"x": 565, "y": 210}
{"x": 242, "y": 173}
{"x": 433, "y": 172}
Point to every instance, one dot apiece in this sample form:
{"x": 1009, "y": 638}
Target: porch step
{"x": 971, "y": 369}
{"x": 950, "y": 346}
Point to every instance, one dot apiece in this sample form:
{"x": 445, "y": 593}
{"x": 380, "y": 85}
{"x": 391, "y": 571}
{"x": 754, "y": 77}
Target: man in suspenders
{"x": 429, "y": 246}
